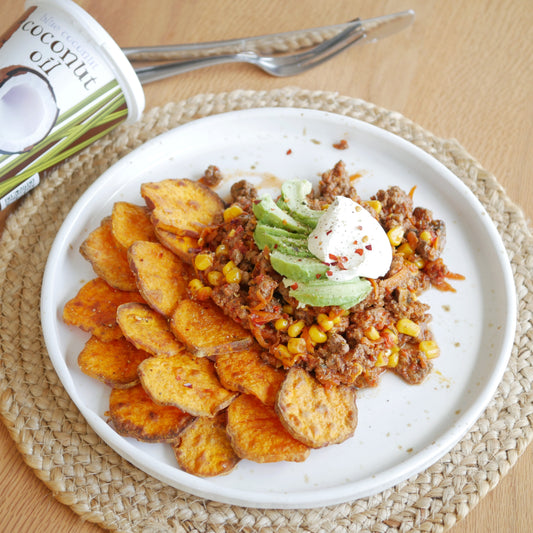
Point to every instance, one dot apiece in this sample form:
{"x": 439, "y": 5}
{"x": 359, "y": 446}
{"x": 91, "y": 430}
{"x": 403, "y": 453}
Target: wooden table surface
{"x": 463, "y": 70}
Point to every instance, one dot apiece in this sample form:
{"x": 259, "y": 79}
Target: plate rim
{"x": 237, "y": 497}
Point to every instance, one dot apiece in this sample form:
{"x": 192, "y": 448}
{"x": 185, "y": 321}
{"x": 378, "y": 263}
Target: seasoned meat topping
{"x": 386, "y": 331}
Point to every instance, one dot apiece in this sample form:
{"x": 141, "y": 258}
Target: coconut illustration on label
{"x": 28, "y": 109}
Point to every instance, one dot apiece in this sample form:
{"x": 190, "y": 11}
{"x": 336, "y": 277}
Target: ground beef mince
{"x": 212, "y": 176}
{"x": 334, "y": 182}
{"x": 388, "y": 331}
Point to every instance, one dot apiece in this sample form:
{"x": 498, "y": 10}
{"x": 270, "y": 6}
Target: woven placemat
{"x": 86, "y": 474}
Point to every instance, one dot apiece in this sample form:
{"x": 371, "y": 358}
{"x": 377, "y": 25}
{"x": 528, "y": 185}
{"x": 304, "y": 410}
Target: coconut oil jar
{"x": 64, "y": 83}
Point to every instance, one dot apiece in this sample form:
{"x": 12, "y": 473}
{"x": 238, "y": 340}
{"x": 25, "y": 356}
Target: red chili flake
{"x": 275, "y": 245}
{"x": 257, "y": 202}
{"x": 355, "y": 242}
{"x": 294, "y": 286}
{"x": 289, "y": 151}
{"x": 318, "y": 276}
{"x": 368, "y": 247}
{"x": 328, "y": 232}
{"x": 333, "y": 257}
{"x": 329, "y": 273}
{"x": 359, "y": 251}
{"x": 360, "y": 228}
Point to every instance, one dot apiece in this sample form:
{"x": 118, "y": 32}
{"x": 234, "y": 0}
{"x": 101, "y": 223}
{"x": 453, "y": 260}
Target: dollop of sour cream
{"x": 352, "y": 241}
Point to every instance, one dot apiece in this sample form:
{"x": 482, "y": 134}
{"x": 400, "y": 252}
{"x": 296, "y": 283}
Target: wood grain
{"x": 463, "y": 71}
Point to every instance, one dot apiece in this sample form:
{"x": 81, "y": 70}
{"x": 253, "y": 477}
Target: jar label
{"x": 58, "y": 94}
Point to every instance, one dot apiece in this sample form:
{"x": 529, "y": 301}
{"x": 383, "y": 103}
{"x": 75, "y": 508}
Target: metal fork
{"x": 281, "y": 54}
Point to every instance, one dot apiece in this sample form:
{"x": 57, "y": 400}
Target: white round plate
{"x": 402, "y": 429}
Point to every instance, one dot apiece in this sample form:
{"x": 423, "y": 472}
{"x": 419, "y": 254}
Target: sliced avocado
{"x": 294, "y": 200}
{"x": 322, "y": 292}
{"x": 284, "y": 241}
{"x": 297, "y": 268}
{"x": 269, "y": 213}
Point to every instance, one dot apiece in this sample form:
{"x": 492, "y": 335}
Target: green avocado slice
{"x": 322, "y": 293}
{"x": 267, "y": 212}
{"x": 289, "y": 243}
{"x": 294, "y": 201}
{"x": 297, "y": 268}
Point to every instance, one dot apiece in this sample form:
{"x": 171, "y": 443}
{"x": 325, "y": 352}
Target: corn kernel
{"x": 296, "y": 328}
{"x": 287, "y": 358}
{"x": 430, "y": 349}
{"x": 221, "y": 249}
{"x": 317, "y": 335}
{"x": 281, "y": 324}
{"x": 232, "y": 233}
{"x": 420, "y": 263}
{"x": 203, "y": 261}
{"x": 395, "y": 235}
{"x": 204, "y": 293}
{"x": 405, "y": 249}
{"x": 233, "y": 211}
{"x": 425, "y": 236}
{"x": 372, "y": 333}
{"x": 215, "y": 278}
{"x": 195, "y": 285}
{"x": 391, "y": 334}
{"x": 233, "y": 275}
{"x": 375, "y": 205}
{"x": 296, "y": 345}
{"x": 324, "y": 322}
{"x": 230, "y": 265}
{"x": 408, "y": 327}
{"x": 382, "y": 359}
{"x": 394, "y": 357}
{"x": 356, "y": 372}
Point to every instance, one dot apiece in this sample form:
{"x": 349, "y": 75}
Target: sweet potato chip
{"x": 185, "y": 381}
{"x": 206, "y": 330}
{"x": 114, "y": 363}
{"x": 257, "y": 434}
{"x": 134, "y": 414}
{"x": 108, "y": 259}
{"x": 184, "y": 247}
{"x": 147, "y": 329}
{"x": 130, "y": 223}
{"x": 246, "y": 372}
{"x": 94, "y": 309}
{"x": 204, "y": 448}
{"x": 182, "y": 206}
{"x": 162, "y": 278}
{"x": 314, "y": 414}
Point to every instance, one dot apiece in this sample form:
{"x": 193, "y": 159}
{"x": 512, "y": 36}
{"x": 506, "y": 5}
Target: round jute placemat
{"x": 86, "y": 474}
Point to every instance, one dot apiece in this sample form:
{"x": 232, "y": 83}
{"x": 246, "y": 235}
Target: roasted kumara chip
{"x": 257, "y": 434}
{"x": 184, "y": 247}
{"x": 185, "y": 381}
{"x": 182, "y": 206}
{"x": 204, "y": 448}
{"x": 246, "y": 372}
{"x": 314, "y": 414}
{"x": 130, "y": 223}
{"x": 206, "y": 330}
{"x": 114, "y": 363}
{"x": 134, "y": 414}
{"x": 147, "y": 329}
{"x": 162, "y": 278}
{"x": 94, "y": 309}
{"x": 108, "y": 259}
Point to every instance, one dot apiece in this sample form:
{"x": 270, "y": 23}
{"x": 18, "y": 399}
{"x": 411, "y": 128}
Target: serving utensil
{"x": 279, "y": 54}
